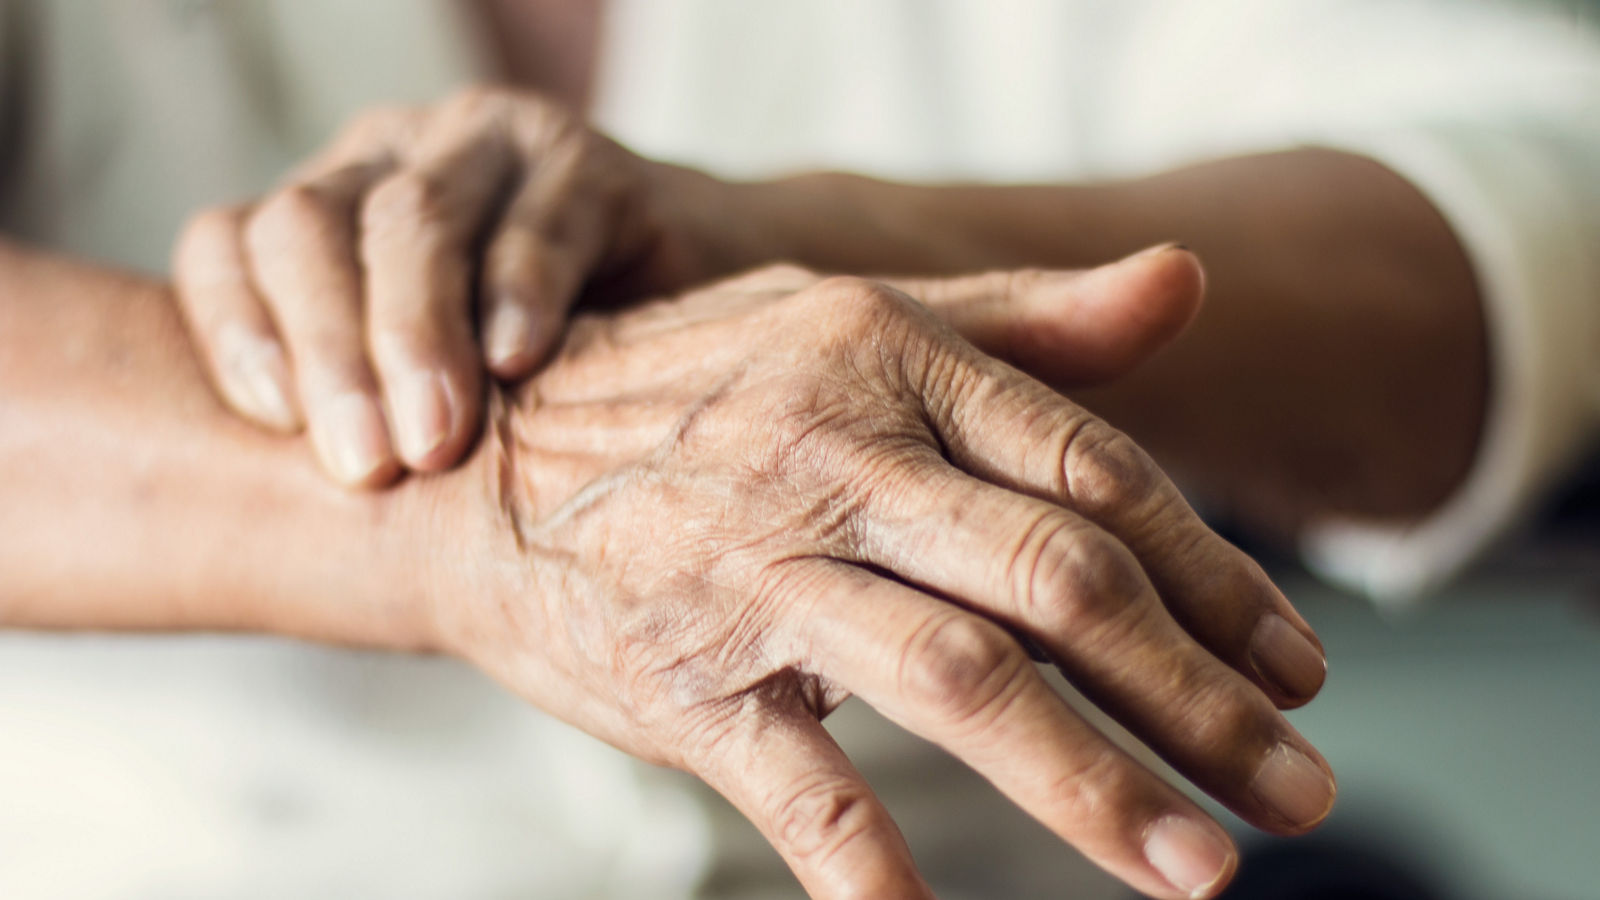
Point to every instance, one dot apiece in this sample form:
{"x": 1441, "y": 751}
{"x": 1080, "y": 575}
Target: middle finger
{"x": 302, "y": 253}
{"x": 418, "y": 230}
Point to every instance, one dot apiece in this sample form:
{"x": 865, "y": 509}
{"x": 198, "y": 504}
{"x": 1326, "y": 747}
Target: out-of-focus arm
{"x": 1523, "y": 194}
{"x": 1355, "y": 295}
{"x": 1341, "y": 341}
{"x": 1455, "y": 217}
{"x": 133, "y": 500}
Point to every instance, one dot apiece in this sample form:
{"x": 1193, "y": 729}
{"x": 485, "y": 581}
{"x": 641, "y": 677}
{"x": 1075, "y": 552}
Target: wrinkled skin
{"x": 364, "y": 297}
{"x": 736, "y": 508}
{"x": 346, "y": 300}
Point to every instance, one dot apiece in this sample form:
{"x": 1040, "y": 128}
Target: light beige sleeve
{"x": 1523, "y": 194}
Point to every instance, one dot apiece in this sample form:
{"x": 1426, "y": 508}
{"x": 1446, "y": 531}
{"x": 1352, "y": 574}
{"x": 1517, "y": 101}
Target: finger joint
{"x": 959, "y": 666}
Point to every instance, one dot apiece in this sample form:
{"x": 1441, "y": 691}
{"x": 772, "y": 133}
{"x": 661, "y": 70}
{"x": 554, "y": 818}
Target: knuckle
{"x": 208, "y": 225}
{"x": 860, "y": 305}
{"x": 820, "y": 815}
{"x": 408, "y": 203}
{"x": 1088, "y": 579}
{"x": 298, "y": 212}
{"x": 1211, "y": 715}
{"x": 481, "y": 108}
{"x": 869, "y": 323}
{"x": 1101, "y": 788}
{"x": 1218, "y": 713}
{"x": 959, "y": 666}
{"x": 205, "y": 251}
{"x": 1104, "y": 471}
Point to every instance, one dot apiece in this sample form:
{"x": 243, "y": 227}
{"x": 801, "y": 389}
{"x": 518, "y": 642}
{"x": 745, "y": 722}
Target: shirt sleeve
{"x": 1521, "y": 188}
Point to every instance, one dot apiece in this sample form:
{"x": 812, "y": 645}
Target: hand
{"x": 734, "y": 509}
{"x": 346, "y": 299}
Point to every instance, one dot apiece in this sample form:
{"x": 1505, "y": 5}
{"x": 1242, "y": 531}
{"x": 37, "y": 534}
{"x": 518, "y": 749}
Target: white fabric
{"x": 1527, "y": 204}
{"x": 138, "y": 112}
{"x": 1493, "y": 110}
{"x": 214, "y": 767}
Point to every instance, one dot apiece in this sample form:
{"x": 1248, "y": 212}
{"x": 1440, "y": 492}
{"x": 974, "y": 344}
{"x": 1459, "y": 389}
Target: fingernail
{"x": 254, "y": 369}
{"x": 1153, "y": 251}
{"x": 1192, "y": 856}
{"x": 1293, "y": 786}
{"x": 1284, "y": 658}
{"x": 508, "y": 333}
{"x": 351, "y": 437}
{"x": 422, "y": 414}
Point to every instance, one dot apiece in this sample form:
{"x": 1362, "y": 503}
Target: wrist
{"x": 468, "y": 553}
{"x": 715, "y": 228}
{"x": 709, "y": 227}
{"x": 327, "y": 564}
{"x": 824, "y": 220}
{"x": 849, "y": 223}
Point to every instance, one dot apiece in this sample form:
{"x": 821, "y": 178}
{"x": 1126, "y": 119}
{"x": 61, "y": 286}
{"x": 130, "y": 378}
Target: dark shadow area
{"x": 1327, "y": 869}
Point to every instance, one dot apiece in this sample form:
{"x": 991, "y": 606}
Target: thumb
{"x": 1072, "y": 328}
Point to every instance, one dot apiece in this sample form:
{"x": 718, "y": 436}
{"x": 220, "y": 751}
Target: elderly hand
{"x": 731, "y": 510}
{"x": 359, "y": 298}
{"x": 346, "y": 299}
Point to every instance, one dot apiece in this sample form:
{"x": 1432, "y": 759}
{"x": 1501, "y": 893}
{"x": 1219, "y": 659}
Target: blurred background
{"x": 1465, "y": 730}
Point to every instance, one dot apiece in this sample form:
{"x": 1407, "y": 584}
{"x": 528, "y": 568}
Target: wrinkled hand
{"x": 736, "y": 508}
{"x": 347, "y": 299}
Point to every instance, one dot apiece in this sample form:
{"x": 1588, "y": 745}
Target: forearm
{"x": 1338, "y": 367}
{"x": 132, "y": 499}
